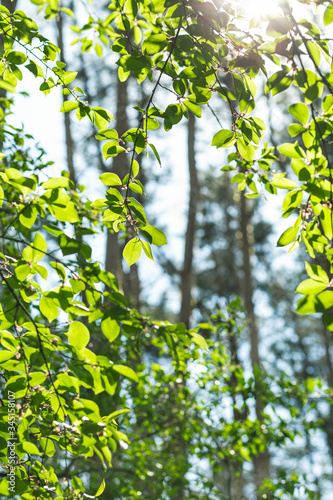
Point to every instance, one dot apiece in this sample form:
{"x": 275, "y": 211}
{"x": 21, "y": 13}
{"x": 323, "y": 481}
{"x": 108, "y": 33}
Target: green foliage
{"x": 48, "y": 357}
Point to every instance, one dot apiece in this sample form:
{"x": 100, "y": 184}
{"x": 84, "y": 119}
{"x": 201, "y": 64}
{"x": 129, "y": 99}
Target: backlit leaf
{"x": 132, "y": 251}
{"x": 78, "y": 335}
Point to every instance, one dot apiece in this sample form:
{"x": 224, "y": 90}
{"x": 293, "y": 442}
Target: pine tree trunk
{"x": 113, "y": 261}
{"x": 261, "y": 461}
{"x": 68, "y": 133}
{"x": 239, "y": 416}
{"x": 328, "y": 420}
{"x": 187, "y": 272}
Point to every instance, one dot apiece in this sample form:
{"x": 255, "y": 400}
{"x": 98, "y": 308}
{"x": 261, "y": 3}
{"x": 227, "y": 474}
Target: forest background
{"x": 190, "y": 376}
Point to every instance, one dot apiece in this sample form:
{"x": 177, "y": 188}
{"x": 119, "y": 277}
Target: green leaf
{"x": 102, "y": 117}
{"x": 147, "y": 249}
{"x": 78, "y": 335}
{"x": 278, "y": 26}
{"x": 69, "y": 106}
{"x": 107, "y": 134}
{"x": 326, "y": 221}
{"x": 154, "y": 44}
{"x": 48, "y": 308}
{"x": 300, "y": 111}
{"x": 223, "y": 139}
{"x": 7, "y": 86}
{"x": 247, "y": 151}
{"x": 16, "y": 57}
{"x": 157, "y": 156}
{"x": 283, "y": 183}
{"x": 132, "y": 251}
{"x": 28, "y": 216}
{"x": 287, "y": 236}
{"x": 194, "y": 108}
{"x": 69, "y": 12}
{"x": 314, "y": 51}
{"x": 311, "y": 287}
{"x": 111, "y": 149}
{"x": 135, "y": 168}
{"x": 326, "y": 299}
{"x": 110, "y": 179}
{"x": 154, "y": 235}
{"x": 199, "y": 340}
{"x": 308, "y": 305}
{"x": 118, "y": 413}
{"x": 47, "y": 446}
{"x": 35, "y": 252}
{"x": 59, "y": 269}
{"x": 328, "y": 15}
{"x": 316, "y": 273}
{"x": 30, "y": 448}
{"x": 23, "y": 272}
{"x": 34, "y": 69}
{"x": 135, "y": 187}
{"x": 292, "y": 200}
{"x": 292, "y": 150}
{"x": 295, "y": 128}
{"x": 67, "y": 78}
{"x": 58, "y": 182}
{"x": 126, "y": 371}
{"x": 100, "y": 489}
{"x": 110, "y": 329}
{"x": 64, "y": 212}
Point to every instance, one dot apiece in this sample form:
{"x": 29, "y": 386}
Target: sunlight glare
{"x": 259, "y": 9}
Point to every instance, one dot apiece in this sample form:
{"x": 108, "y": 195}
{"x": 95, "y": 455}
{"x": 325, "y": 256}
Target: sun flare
{"x": 259, "y": 8}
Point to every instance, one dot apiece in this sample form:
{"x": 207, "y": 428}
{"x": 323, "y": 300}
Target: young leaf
{"x": 147, "y": 249}
{"x": 48, "y": 308}
{"x": 69, "y": 106}
{"x": 223, "y": 139}
{"x": 247, "y": 151}
{"x": 328, "y": 14}
{"x": 110, "y": 329}
{"x": 287, "y": 237}
{"x": 154, "y": 235}
{"x": 126, "y": 371}
{"x": 316, "y": 273}
{"x": 78, "y": 335}
{"x": 311, "y": 287}
{"x": 110, "y": 179}
{"x": 132, "y": 251}
{"x": 100, "y": 489}
{"x": 300, "y": 111}
{"x": 199, "y": 340}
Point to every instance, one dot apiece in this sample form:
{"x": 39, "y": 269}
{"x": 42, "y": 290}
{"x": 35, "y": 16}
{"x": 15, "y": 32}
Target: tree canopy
{"x": 78, "y": 355}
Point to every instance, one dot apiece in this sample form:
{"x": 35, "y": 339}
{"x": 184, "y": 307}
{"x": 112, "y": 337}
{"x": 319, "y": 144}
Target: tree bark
{"x": 68, "y": 133}
{"x": 113, "y": 261}
{"x": 236, "y": 481}
{"x": 10, "y": 5}
{"x": 261, "y": 461}
{"x": 187, "y": 272}
{"x": 328, "y": 420}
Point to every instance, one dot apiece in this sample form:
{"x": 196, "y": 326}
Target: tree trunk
{"x": 236, "y": 481}
{"x": 9, "y": 4}
{"x": 113, "y": 261}
{"x": 68, "y": 133}
{"x": 328, "y": 420}
{"x": 261, "y": 460}
{"x": 187, "y": 272}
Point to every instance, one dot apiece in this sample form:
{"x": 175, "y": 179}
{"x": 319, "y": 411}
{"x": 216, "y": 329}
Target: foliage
{"x": 58, "y": 306}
